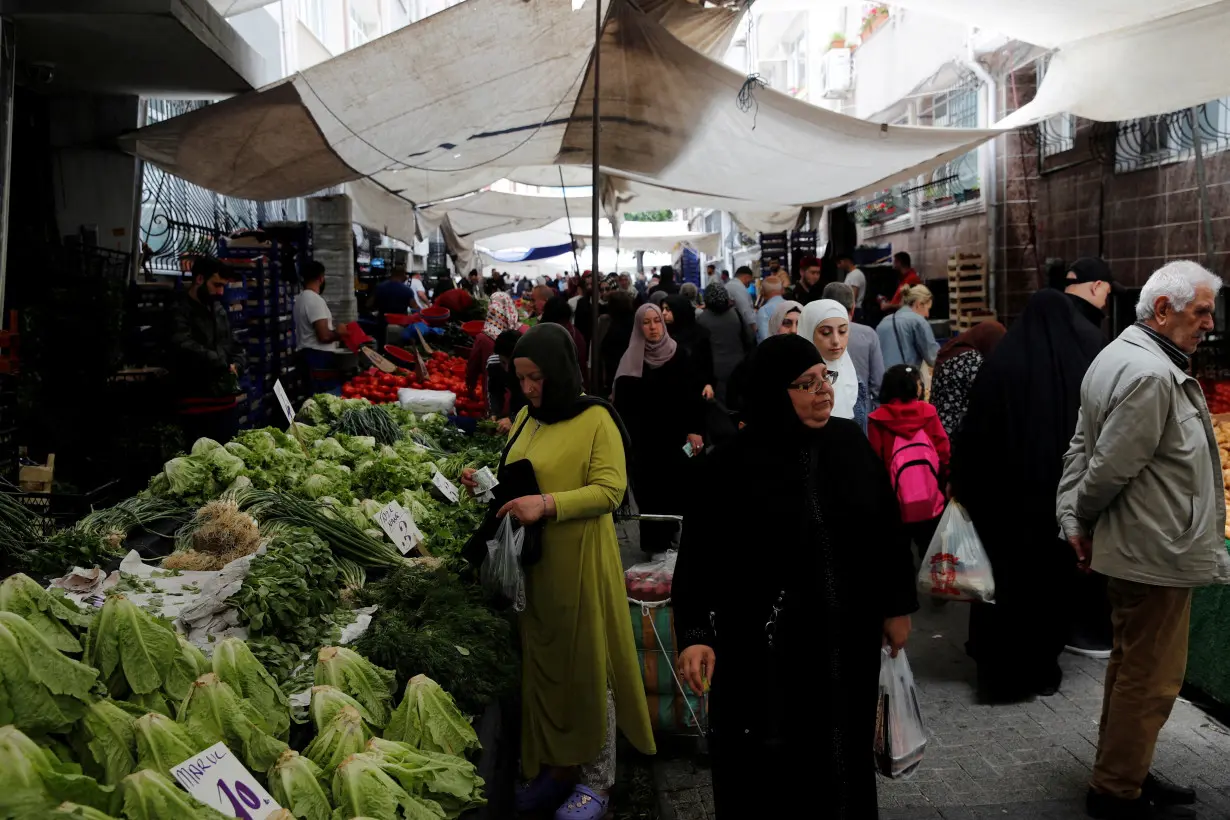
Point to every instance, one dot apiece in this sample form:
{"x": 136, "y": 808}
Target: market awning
{"x": 421, "y": 116}
{"x": 493, "y": 212}
{"x": 1106, "y": 65}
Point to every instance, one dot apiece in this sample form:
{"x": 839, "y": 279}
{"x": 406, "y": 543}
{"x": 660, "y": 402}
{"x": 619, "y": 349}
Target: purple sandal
{"x": 584, "y": 804}
{"x": 541, "y": 792}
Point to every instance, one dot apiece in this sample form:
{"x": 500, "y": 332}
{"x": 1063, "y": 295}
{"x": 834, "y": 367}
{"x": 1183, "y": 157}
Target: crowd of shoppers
{"x": 1090, "y": 473}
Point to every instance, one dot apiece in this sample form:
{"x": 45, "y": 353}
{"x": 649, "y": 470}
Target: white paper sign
{"x": 399, "y": 524}
{"x": 289, "y": 409}
{"x": 448, "y": 488}
{"x": 220, "y": 781}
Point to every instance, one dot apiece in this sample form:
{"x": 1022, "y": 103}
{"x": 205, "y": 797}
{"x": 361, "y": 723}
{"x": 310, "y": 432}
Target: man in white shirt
{"x": 313, "y": 320}
{"x": 711, "y": 276}
{"x": 857, "y": 281}
{"x": 420, "y": 290}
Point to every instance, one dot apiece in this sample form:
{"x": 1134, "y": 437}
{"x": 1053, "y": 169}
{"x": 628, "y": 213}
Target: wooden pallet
{"x": 967, "y": 321}
{"x": 968, "y": 294}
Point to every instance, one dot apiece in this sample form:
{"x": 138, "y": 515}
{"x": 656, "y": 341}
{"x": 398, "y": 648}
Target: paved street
{"x": 1030, "y": 760}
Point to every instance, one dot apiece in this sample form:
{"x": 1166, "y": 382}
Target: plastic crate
{"x": 59, "y": 510}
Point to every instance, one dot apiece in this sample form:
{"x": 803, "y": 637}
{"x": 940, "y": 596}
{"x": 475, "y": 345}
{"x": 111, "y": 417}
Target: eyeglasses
{"x": 813, "y": 385}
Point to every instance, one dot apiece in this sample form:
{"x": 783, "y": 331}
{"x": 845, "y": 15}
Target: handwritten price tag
{"x": 400, "y": 526}
{"x": 220, "y": 781}
{"x": 448, "y": 488}
{"x": 289, "y": 409}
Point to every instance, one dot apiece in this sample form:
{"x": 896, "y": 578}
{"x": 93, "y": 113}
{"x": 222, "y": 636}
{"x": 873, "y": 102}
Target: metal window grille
{"x": 179, "y": 217}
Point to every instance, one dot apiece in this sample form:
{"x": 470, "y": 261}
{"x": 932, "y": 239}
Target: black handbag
{"x": 516, "y": 480}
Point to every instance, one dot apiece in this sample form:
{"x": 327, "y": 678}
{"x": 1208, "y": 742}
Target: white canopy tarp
{"x": 1116, "y": 76}
{"x": 1109, "y": 62}
{"x": 490, "y": 86}
{"x": 494, "y": 212}
{"x": 230, "y": 8}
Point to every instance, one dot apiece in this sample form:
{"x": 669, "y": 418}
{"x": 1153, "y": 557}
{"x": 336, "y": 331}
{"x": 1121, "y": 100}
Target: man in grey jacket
{"x": 1142, "y": 502}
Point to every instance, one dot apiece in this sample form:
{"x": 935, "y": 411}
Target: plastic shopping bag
{"x": 956, "y": 567}
{"x": 900, "y": 737}
{"x": 651, "y": 581}
{"x": 502, "y": 571}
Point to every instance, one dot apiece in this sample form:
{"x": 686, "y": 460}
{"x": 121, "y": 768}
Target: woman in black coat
{"x": 658, "y": 395}
{"x": 680, "y": 318}
{"x": 1007, "y": 461}
{"x": 788, "y": 633}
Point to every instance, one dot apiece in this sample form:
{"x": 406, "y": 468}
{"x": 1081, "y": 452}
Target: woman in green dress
{"x": 580, "y": 678}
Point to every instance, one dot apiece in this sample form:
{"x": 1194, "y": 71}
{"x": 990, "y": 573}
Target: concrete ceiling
{"x": 155, "y": 48}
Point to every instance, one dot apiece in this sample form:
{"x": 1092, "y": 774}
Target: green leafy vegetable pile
{"x": 77, "y": 738}
{"x": 429, "y": 622}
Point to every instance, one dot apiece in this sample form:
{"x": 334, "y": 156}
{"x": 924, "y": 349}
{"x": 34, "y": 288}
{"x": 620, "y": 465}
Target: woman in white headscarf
{"x": 826, "y": 324}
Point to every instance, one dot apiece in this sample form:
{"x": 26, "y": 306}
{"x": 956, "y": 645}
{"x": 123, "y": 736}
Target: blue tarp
{"x": 531, "y": 254}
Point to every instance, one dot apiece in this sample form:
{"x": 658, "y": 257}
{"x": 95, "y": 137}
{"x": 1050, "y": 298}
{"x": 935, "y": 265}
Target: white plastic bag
{"x": 651, "y": 581}
{"x": 427, "y": 401}
{"x": 956, "y": 567}
{"x": 900, "y": 737}
{"x": 502, "y": 571}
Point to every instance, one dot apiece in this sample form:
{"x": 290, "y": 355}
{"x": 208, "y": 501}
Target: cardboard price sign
{"x": 220, "y": 781}
{"x": 399, "y": 525}
{"x": 289, "y": 409}
{"x": 447, "y": 488}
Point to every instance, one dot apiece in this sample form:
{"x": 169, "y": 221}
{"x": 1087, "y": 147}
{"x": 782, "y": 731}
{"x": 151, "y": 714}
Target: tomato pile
{"x": 444, "y": 372}
{"x": 1218, "y": 395}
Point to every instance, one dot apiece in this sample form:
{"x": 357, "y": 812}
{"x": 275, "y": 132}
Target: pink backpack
{"x": 915, "y": 471}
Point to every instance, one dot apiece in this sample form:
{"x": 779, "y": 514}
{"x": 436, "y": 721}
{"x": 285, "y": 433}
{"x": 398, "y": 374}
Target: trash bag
{"x": 651, "y": 581}
{"x": 956, "y": 567}
{"x": 502, "y": 572}
{"x": 900, "y": 737}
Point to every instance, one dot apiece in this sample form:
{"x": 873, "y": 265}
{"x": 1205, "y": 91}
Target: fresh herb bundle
{"x": 367, "y": 420}
{"x": 430, "y": 623}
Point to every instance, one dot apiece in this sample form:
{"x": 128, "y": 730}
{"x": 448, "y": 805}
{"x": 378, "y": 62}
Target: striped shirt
{"x": 1181, "y": 360}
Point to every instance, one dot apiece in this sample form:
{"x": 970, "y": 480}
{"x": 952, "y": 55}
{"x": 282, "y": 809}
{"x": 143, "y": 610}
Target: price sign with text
{"x": 220, "y": 781}
{"x": 399, "y": 525}
{"x": 289, "y": 409}
{"x": 447, "y": 488}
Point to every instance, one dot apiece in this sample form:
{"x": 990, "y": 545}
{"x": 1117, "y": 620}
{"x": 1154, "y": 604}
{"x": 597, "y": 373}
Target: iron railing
{"x": 180, "y": 218}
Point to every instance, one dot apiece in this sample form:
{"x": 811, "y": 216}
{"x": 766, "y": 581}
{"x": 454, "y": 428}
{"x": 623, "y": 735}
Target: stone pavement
{"x": 1029, "y": 760}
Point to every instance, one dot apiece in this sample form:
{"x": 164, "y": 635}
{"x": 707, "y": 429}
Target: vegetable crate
{"x": 60, "y": 510}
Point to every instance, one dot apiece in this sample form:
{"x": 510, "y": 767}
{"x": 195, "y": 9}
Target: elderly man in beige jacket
{"x": 1141, "y": 501}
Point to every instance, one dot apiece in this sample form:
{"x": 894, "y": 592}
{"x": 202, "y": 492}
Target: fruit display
{"x": 1221, "y": 430}
{"x": 1217, "y": 394}
{"x": 444, "y": 372}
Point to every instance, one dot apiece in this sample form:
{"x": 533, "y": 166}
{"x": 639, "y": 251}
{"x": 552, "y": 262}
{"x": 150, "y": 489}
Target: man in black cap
{"x": 1089, "y": 284}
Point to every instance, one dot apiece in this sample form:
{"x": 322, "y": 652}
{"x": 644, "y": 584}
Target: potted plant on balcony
{"x": 837, "y": 40}
{"x": 873, "y": 19}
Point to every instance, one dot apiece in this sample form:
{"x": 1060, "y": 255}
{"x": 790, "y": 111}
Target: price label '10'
{"x": 220, "y": 781}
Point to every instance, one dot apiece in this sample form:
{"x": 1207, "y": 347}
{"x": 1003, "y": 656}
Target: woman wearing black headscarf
{"x": 558, "y": 312}
{"x": 680, "y": 318}
{"x": 1006, "y": 465}
{"x": 614, "y": 333}
{"x": 579, "y": 674}
{"x": 831, "y": 580}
